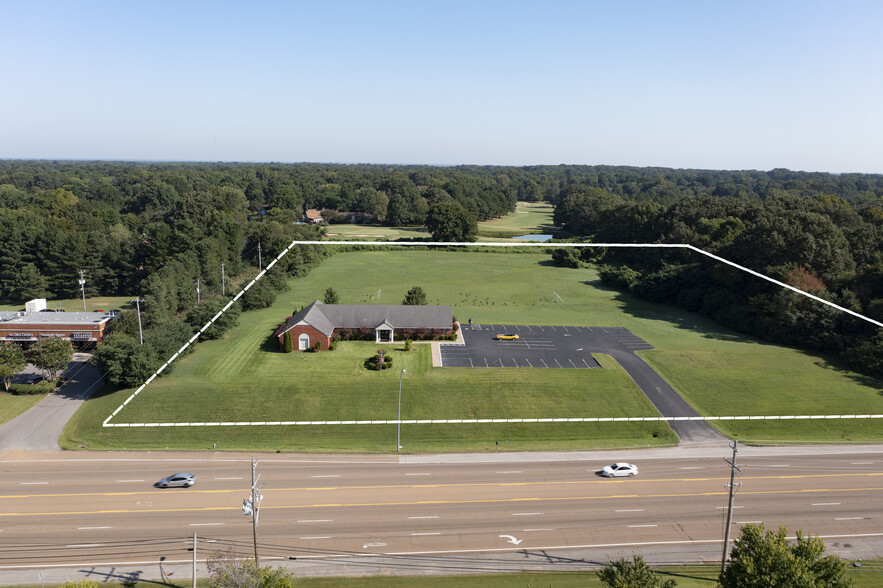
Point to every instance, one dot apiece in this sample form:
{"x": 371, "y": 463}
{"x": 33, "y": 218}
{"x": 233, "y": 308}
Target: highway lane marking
{"x": 32, "y": 483}
{"x": 86, "y": 545}
{"x": 128, "y": 481}
{"x": 691, "y": 468}
{"x": 720, "y": 507}
{"x": 630, "y": 510}
{"x": 434, "y": 502}
{"x": 640, "y": 526}
{"x": 419, "y": 474}
{"x": 427, "y": 517}
{"x": 205, "y": 524}
{"x": 511, "y": 472}
{"x": 861, "y": 462}
{"x": 532, "y": 530}
{"x": 323, "y": 537}
{"x": 424, "y": 502}
{"x": 239, "y": 478}
{"x": 91, "y": 528}
{"x": 850, "y": 519}
{"x": 464, "y": 485}
{"x": 825, "y": 504}
{"x": 317, "y": 521}
{"x": 748, "y": 522}
{"x": 526, "y": 514}
{"x": 423, "y": 534}
{"x": 326, "y": 476}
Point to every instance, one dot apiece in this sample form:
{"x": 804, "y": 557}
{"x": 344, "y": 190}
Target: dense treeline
{"x": 151, "y": 230}
{"x": 821, "y": 244}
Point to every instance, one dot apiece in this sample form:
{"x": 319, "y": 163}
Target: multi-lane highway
{"x": 435, "y": 514}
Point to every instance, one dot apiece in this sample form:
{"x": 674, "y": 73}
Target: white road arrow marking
{"x": 511, "y": 539}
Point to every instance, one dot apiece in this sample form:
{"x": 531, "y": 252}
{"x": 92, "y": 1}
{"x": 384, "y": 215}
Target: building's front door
{"x": 384, "y": 335}
{"x": 303, "y": 342}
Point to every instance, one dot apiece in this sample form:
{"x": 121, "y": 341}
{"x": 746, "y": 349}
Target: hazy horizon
{"x": 683, "y": 85}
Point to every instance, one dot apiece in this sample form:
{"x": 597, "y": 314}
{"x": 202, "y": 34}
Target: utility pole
{"x": 259, "y": 256}
{"x": 732, "y": 488}
{"x": 138, "y": 302}
{"x": 83, "y": 287}
{"x": 197, "y": 290}
{"x": 194, "y": 560}
{"x": 223, "y": 289}
{"x": 251, "y": 506}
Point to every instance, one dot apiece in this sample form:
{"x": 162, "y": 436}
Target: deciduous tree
{"x": 769, "y": 560}
{"x": 12, "y": 361}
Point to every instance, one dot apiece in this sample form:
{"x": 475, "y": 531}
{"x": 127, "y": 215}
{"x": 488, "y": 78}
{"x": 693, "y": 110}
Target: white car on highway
{"x": 620, "y": 469}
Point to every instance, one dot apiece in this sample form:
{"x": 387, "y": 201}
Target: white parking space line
{"x": 528, "y": 362}
{"x": 544, "y": 362}
{"x": 559, "y": 365}
{"x": 127, "y": 481}
{"x": 317, "y": 521}
{"x": 91, "y": 528}
{"x": 426, "y": 517}
{"x": 571, "y": 362}
{"x": 825, "y": 504}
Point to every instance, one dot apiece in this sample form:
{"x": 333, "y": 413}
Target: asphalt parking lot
{"x": 538, "y": 346}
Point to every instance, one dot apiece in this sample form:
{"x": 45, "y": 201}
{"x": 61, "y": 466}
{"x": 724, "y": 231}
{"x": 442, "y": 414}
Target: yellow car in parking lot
{"x": 507, "y": 337}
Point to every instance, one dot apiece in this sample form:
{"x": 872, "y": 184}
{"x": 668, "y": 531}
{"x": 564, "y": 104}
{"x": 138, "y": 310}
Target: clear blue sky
{"x": 705, "y": 84}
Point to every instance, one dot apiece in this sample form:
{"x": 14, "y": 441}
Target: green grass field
{"x": 243, "y": 378}
{"x": 76, "y": 304}
{"x": 12, "y": 405}
{"x": 528, "y": 218}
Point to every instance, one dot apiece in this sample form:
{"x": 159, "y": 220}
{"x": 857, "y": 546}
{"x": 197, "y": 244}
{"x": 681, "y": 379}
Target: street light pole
{"x": 399, "y": 422}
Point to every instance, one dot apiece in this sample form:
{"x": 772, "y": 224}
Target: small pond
{"x": 534, "y": 238}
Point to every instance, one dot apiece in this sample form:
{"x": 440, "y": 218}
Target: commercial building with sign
{"x": 82, "y": 329}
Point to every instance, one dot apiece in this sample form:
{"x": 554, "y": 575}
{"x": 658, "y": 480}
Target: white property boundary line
{"x": 107, "y": 422}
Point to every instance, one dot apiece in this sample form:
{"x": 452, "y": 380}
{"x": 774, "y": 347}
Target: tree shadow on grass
{"x": 708, "y": 328}
{"x": 683, "y": 319}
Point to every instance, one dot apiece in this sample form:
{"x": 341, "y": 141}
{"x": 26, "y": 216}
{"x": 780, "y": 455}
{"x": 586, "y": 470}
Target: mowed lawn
{"x": 76, "y": 304}
{"x": 243, "y": 377}
{"x": 528, "y": 218}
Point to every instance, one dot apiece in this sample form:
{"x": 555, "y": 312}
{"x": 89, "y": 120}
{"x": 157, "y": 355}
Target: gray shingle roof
{"x": 326, "y": 317}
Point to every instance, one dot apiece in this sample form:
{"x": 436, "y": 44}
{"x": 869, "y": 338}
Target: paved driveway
{"x": 39, "y": 427}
